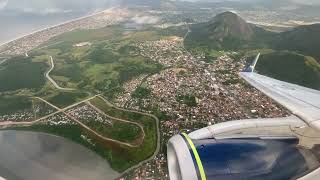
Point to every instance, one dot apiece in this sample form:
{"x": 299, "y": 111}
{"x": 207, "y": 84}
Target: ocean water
{"x": 30, "y": 156}
{"x": 14, "y": 25}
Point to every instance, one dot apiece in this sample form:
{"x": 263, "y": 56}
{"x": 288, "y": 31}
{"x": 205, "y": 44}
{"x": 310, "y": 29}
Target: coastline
{"x": 54, "y": 26}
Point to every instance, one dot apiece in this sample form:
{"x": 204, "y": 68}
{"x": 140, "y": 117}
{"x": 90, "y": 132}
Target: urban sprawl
{"x": 192, "y": 90}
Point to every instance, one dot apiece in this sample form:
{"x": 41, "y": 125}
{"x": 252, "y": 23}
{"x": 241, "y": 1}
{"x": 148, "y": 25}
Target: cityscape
{"x": 123, "y": 81}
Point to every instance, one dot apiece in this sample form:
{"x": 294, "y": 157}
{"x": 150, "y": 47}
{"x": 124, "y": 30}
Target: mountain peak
{"x": 227, "y": 14}
{"x": 229, "y": 24}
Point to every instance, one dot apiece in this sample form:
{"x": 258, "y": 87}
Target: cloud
{"x": 3, "y": 4}
{"x": 146, "y": 19}
{"x": 46, "y": 11}
{"x": 307, "y": 2}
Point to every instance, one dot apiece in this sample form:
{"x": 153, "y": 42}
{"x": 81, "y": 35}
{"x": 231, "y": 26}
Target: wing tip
{"x": 252, "y": 66}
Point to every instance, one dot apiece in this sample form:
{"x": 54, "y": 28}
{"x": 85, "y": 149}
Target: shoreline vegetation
{"x": 120, "y": 157}
{"x": 107, "y": 63}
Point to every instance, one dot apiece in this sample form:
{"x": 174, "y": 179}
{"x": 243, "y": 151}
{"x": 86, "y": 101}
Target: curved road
{"x": 157, "y": 127}
{"x": 10, "y": 123}
{"x": 121, "y": 120}
{"x": 92, "y": 131}
{"x": 52, "y": 81}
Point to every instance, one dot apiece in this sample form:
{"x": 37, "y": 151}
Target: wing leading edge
{"x": 301, "y": 101}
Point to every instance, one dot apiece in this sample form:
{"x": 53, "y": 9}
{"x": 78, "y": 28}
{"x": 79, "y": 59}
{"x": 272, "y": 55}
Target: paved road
{"x": 97, "y": 134}
{"x": 158, "y": 133}
{"x": 122, "y": 120}
{"x": 9, "y": 123}
{"x": 89, "y": 129}
{"x": 52, "y": 81}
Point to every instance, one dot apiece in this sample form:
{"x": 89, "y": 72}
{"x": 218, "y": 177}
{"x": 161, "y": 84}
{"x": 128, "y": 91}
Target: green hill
{"x": 227, "y": 25}
{"x": 226, "y": 31}
{"x": 303, "y": 39}
{"x": 290, "y": 67}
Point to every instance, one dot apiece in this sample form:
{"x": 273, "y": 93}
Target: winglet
{"x": 252, "y": 66}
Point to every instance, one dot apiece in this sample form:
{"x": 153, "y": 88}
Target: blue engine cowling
{"x": 229, "y": 159}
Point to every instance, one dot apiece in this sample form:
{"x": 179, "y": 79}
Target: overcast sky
{"x": 309, "y": 2}
{"x": 60, "y": 6}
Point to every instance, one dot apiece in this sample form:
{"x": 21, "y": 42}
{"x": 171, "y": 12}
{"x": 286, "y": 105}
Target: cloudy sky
{"x": 308, "y": 2}
{"x": 59, "y": 6}
{"x": 54, "y": 6}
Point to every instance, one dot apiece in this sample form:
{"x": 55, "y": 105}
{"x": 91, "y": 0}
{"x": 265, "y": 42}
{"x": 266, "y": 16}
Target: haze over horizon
{"x": 21, "y": 17}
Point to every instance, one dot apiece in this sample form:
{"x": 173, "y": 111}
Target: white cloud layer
{"x": 3, "y": 4}
{"x": 307, "y": 2}
{"x": 145, "y": 19}
{"x": 60, "y": 6}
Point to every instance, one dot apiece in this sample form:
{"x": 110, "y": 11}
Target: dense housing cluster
{"x": 194, "y": 93}
{"x": 85, "y": 113}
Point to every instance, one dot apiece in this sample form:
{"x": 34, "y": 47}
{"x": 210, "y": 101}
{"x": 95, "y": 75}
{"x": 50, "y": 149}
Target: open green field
{"x": 102, "y": 66}
{"x": 120, "y": 131}
{"x": 149, "y": 124}
{"x": 64, "y": 99}
{"x": 11, "y": 104}
{"x": 106, "y": 64}
{"x": 67, "y": 40}
{"x": 20, "y": 73}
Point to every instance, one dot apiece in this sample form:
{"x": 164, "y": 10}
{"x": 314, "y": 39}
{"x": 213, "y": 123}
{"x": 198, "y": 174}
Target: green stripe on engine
{"x": 197, "y": 157}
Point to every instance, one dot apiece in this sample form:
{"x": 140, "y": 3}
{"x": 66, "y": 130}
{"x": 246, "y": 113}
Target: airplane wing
{"x": 269, "y": 148}
{"x": 301, "y": 101}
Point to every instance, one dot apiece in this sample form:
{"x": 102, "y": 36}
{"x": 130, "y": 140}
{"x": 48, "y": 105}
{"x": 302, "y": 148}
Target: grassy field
{"x": 64, "y": 99}
{"x": 10, "y": 104}
{"x": 120, "y": 131}
{"x": 72, "y": 71}
{"x": 110, "y": 60}
{"x": 20, "y": 73}
{"x": 78, "y": 36}
{"x": 120, "y": 157}
{"x": 107, "y": 63}
{"x": 149, "y": 124}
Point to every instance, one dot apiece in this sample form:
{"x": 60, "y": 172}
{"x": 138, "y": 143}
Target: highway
{"x": 52, "y": 81}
